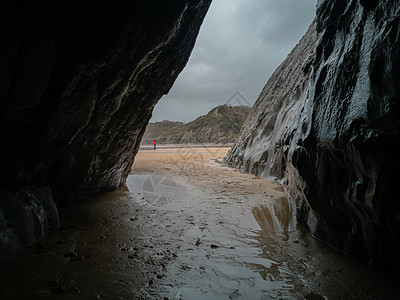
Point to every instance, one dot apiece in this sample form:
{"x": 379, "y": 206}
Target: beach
{"x": 188, "y": 228}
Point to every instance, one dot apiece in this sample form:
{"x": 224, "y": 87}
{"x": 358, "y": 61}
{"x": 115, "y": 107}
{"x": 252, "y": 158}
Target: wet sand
{"x": 190, "y": 228}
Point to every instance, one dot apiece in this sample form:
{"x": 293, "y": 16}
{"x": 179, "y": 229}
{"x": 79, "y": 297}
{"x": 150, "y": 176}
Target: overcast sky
{"x": 240, "y": 44}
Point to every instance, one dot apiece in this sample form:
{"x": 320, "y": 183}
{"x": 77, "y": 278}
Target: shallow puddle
{"x": 217, "y": 234}
{"x": 238, "y": 251}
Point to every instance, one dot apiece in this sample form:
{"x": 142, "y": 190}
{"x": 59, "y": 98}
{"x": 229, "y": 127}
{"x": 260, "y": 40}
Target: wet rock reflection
{"x": 215, "y": 240}
{"x": 274, "y": 217}
{"x": 294, "y": 265}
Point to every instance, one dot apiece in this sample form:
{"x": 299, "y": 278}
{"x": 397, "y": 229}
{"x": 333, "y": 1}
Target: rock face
{"x": 263, "y": 139}
{"x": 220, "y": 125}
{"x": 153, "y": 130}
{"x": 332, "y": 141}
{"x": 78, "y": 83}
{"x": 26, "y": 218}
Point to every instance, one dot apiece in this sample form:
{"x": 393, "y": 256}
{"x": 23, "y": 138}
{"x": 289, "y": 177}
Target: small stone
{"x": 132, "y": 256}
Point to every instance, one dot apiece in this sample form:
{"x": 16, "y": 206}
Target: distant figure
{"x": 155, "y": 144}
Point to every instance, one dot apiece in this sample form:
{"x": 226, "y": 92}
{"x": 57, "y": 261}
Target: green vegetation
{"x": 220, "y": 125}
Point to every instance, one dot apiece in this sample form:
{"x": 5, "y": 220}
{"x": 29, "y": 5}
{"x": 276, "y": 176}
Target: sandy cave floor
{"x": 190, "y": 228}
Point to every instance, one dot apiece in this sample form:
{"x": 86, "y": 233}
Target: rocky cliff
{"x": 78, "y": 83}
{"x": 329, "y": 129}
{"x": 155, "y": 129}
{"x": 262, "y": 142}
{"x": 220, "y": 125}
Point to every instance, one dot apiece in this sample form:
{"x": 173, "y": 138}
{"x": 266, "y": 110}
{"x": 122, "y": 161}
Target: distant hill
{"x": 158, "y": 129}
{"x": 220, "y": 125}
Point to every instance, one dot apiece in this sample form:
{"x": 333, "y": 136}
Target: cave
{"x": 78, "y": 86}
{"x": 79, "y": 81}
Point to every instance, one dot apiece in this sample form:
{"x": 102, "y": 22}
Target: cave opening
{"x": 78, "y": 86}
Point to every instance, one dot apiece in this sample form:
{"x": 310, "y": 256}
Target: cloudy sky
{"x": 240, "y": 44}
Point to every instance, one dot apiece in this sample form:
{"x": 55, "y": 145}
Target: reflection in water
{"x": 245, "y": 252}
{"x": 274, "y": 217}
{"x": 306, "y": 267}
{"x": 167, "y": 239}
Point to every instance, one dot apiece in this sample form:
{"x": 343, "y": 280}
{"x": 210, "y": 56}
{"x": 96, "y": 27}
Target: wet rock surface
{"x": 262, "y": 145}
{"x": 26, "y": 217}
{"x": 78, "y": 85}
{"x": 210, "y": 242}
{"x": 338, "y": 159}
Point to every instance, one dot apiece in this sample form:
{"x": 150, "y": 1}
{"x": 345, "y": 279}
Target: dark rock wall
{"x": 339, "y": 160}
{"x": 349, "y": 160}
{"x": 25, "y": 218}
{"x": 263, "y": 140}
{"x": 78, "y": 83}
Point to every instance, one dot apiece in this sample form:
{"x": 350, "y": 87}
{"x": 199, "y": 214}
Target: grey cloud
{"x": 240, "y": 44}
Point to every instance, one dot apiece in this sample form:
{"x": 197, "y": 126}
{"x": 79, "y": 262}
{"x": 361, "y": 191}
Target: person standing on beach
{"x": 154, "y": 142}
